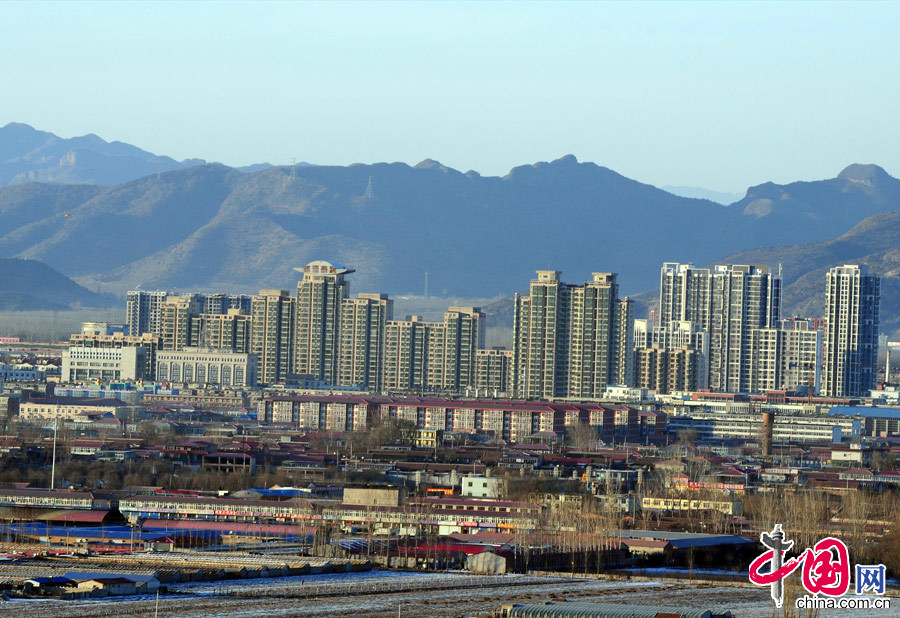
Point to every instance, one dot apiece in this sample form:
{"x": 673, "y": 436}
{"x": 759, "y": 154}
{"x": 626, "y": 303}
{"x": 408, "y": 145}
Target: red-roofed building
{"x": 509, "y": 420}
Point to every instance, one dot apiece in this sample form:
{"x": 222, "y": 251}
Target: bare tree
{"x": 583, "y": 436}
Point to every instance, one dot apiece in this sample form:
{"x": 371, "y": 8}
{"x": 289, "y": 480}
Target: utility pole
{"x": 53, "y": 465}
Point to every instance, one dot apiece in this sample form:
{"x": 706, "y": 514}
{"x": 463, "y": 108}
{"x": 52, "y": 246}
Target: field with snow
{"x": 384, "y": 594}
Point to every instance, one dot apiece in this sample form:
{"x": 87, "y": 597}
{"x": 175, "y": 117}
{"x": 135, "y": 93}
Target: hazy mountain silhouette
{"x": 211, "y": 226}
{"x": 720, "y": 197}
{"x": 29, "y": 155}
{"x": 214, "y": 227}
{"x": 29, "y": 284}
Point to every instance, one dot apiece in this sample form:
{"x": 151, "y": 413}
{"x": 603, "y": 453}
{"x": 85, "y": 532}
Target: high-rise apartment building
{"x": 362, "y": 325}
{"x": 685, "y": 294}
{"x": 728, "y": 301}
{"x": 850, "y": 343}
{"x": 214, "y": 331}
{"x": 493, "y": 371}
{"x": 540, "y": 337}
{"x": 320, "y": 294}
{"x": 565, "y": 337}
{"x": 272, "y": 334}
{"x": 801, "y": 354}
{"x": 592, "y": 336}
{"x": 175, "y": 315}
{"x": 142, "y": 311}
{"x": 221, "y": 304}
{"x": 786, "y": 357}
{"x": 666, "y": 370}
{"x": 405, "y": 364}
{"x": 453, "y": 348}
{"x": 433, "y": 356}
{"x": 623, "y": 352}
{"x": 651, "y": 368}
{"x": 684, "y": 334}
{"x": 642, "y": 334}
{"x": 744, "y": 298}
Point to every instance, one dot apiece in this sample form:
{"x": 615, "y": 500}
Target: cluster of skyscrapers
{"x": 721, "y": 328}
{"x": 320, "y": 334}
{"x": 571, "y": 341}
{"x": 718, "y": 328}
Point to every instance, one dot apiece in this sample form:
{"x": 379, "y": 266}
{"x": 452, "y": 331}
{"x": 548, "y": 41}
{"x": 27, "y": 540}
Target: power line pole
{"x": 53, "y": 465}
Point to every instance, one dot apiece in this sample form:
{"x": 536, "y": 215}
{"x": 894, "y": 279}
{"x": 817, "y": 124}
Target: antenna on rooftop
{"x": 426, "y": 284}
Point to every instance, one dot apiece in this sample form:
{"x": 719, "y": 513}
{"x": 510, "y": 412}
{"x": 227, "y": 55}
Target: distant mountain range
{"x": 213, "y": 227}
{"x": 720, "y": 197}
{"x": 210, "y": 227}
{"x": 29, "y": 155}
{"x": 30, "y": 285}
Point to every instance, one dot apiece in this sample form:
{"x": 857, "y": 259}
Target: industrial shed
{"x": 486, "y": 562}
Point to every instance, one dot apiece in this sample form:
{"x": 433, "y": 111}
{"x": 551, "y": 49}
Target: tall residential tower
{"x": 142, "y": 311}
{"x": 272, "y": 334}
{"x": 320, "y": 294}
{"x": 565, "y": 337}
{"x": 728, "y": 302}
{"x": 851, "y": 331}
{"x": 362, "y": 324}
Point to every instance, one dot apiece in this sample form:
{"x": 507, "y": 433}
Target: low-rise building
{"x": 748, "y": 426}
{"x": 681, "y": 505}
{"x": 66, "y": 408}
{"x": 52, "y": 499}
{"x": 207, "y": 367}
{"x": 23, "y": 372}
{"x": 104, "y": 364}
{"x": 100, "y": 337}
{"x": 507, "y": 419}
{"x": 483, "y": 487}
{"x": 373, "y": 496}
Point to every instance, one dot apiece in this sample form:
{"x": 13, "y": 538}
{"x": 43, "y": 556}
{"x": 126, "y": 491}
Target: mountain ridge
{"x": 210, "y": 226}
{"x": 393, "y": 222}
{"x": 309, "y": 208}
{"x": 31, "y": 155}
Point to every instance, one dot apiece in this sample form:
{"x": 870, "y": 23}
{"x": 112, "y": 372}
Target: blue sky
{"x": 708, "y": 94}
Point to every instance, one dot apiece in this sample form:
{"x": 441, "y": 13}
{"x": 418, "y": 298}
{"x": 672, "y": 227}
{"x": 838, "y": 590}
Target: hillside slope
{"x": 28, "y": 284}
{"x": 212, "y": 227}
{"x": 874, "y": 242}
